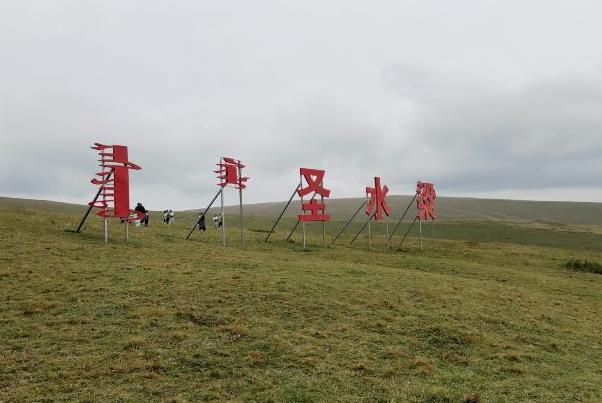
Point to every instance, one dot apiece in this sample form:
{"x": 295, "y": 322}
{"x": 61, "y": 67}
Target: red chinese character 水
{"x": 378, "y": 200}
{"x": 425, "y": 201}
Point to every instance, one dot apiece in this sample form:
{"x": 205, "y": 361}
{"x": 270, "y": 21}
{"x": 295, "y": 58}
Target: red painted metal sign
{"x": 115, "y": 182}
{"x": 314, "y": 178}
{"x": 229, "y": 173}
{"x": 425, "y": 201}
{"x": 378, "y": 200}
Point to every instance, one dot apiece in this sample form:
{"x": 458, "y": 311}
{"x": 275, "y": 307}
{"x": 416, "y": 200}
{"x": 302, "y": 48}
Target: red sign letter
{"x": 425, "y": 201}
{"x": 378, "y": 200}
{"x": 314, "y": 179}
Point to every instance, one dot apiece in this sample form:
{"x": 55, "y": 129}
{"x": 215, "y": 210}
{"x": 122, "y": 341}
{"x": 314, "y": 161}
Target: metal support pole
{"x": 400, "y": 220}
{"x": 304, "y": 235}
{"x": 387, "y": 229}
{"x": 242, "y": 234}
{"x": 125, "y": 223}
{"x": 408, "y": 231}
{"x": 282, "y": 212}
{"x": 323, "y": 222}
{"x": 91, "y": 205}
{"x": 293, "y": 230}
{"x": 347, "y": 223}
{"x": 370, "y": 228}
{"x": 433, "y": 234}
{"x": 106, "y": 225}
{"x": 420, "y": 225}
{"x": 369, "y": 235}
{"x": 363, "y": 226}
{"x": 223, "y": 220}
{"x": 205, "y": 212}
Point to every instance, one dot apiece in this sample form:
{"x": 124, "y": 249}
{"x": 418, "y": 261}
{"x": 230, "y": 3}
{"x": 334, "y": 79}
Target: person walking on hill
{"x": 202, "y": 226}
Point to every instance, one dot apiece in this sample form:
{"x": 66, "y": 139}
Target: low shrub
{"x": 585, "y": 266}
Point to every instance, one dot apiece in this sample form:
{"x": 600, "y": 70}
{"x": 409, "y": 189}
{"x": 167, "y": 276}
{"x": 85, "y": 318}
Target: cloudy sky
{"x": 485, "y": 98}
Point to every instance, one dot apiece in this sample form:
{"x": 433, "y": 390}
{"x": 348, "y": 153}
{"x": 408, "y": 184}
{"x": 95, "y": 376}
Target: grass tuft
{"x": 476, "y": 398}
{"x": 585, "y": 266}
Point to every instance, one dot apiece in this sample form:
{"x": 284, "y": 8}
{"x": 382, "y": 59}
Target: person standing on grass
{"x": 140, "y": 208}
{"x": 171, "y": 217}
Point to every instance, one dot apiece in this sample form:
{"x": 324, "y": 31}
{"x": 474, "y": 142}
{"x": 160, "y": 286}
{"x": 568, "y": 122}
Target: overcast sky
{"x": 485, "y": 98}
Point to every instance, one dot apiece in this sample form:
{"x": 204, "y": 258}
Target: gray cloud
{"x": 543, "y": 135}
{"x": 497, "y": 97}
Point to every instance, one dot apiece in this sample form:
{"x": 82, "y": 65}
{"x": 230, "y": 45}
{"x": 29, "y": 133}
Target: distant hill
{"x": 449, "y": 208}
{"x": 457, "y": 208}
{"x": 11, "y": 203}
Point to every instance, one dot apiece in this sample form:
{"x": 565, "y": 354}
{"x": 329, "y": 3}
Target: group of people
{"x": 218, "y": 221}
{"x": 169, "y": 217}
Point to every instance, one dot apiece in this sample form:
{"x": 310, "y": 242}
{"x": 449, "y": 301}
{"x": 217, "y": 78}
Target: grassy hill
{"x": 448, "y": 208}
{"x": 491, "y": 314}
{"x": 459, "y": 208}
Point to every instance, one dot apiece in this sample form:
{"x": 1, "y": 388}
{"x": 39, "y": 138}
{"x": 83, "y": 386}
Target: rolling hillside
{"x": 449, "y": 208}
{"x": 456, "y": 208}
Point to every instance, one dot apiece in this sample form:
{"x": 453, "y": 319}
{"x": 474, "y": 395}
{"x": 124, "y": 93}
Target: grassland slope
{"x": 161, "y": 318}
{"x": 459, "y": 208}
{"x": 449, "y": 208}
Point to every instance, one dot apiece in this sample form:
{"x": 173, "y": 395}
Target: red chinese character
{"x": 425, "y": 201}
{"x": 316, "y": 211}
{"x": 114, "y": 181}
{"x": 314, "y": 179}
{"x": 229, "y": 173}
{"x": 378, "y": 200}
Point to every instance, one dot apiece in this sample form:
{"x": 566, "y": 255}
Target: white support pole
{"x": 223, "y": 219}
{"x": 420, "y": 224}
{"x": 242, "y": 235}
{"x": 126, "y": 230}
{"x": 323, "y": 222}
{"x": 387, "y": 229}
{"x": 106, "y": 225}
{"x": 369, "y": 227}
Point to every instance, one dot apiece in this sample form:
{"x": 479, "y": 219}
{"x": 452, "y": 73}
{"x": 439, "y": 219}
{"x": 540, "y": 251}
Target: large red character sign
{"x": 425, "y": 201}
{"x": 230, "y": 173}
{"x": 378, "y": 200}
{"x": 315, "y": 184}
{"x": 115, "y": 182}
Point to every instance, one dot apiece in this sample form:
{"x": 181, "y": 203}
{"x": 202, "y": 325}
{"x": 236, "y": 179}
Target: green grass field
{"x": 490, "y": 315}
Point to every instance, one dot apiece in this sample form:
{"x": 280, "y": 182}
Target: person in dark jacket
{"x": 140, "y": 208}
{"x": 202, "y": 226}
